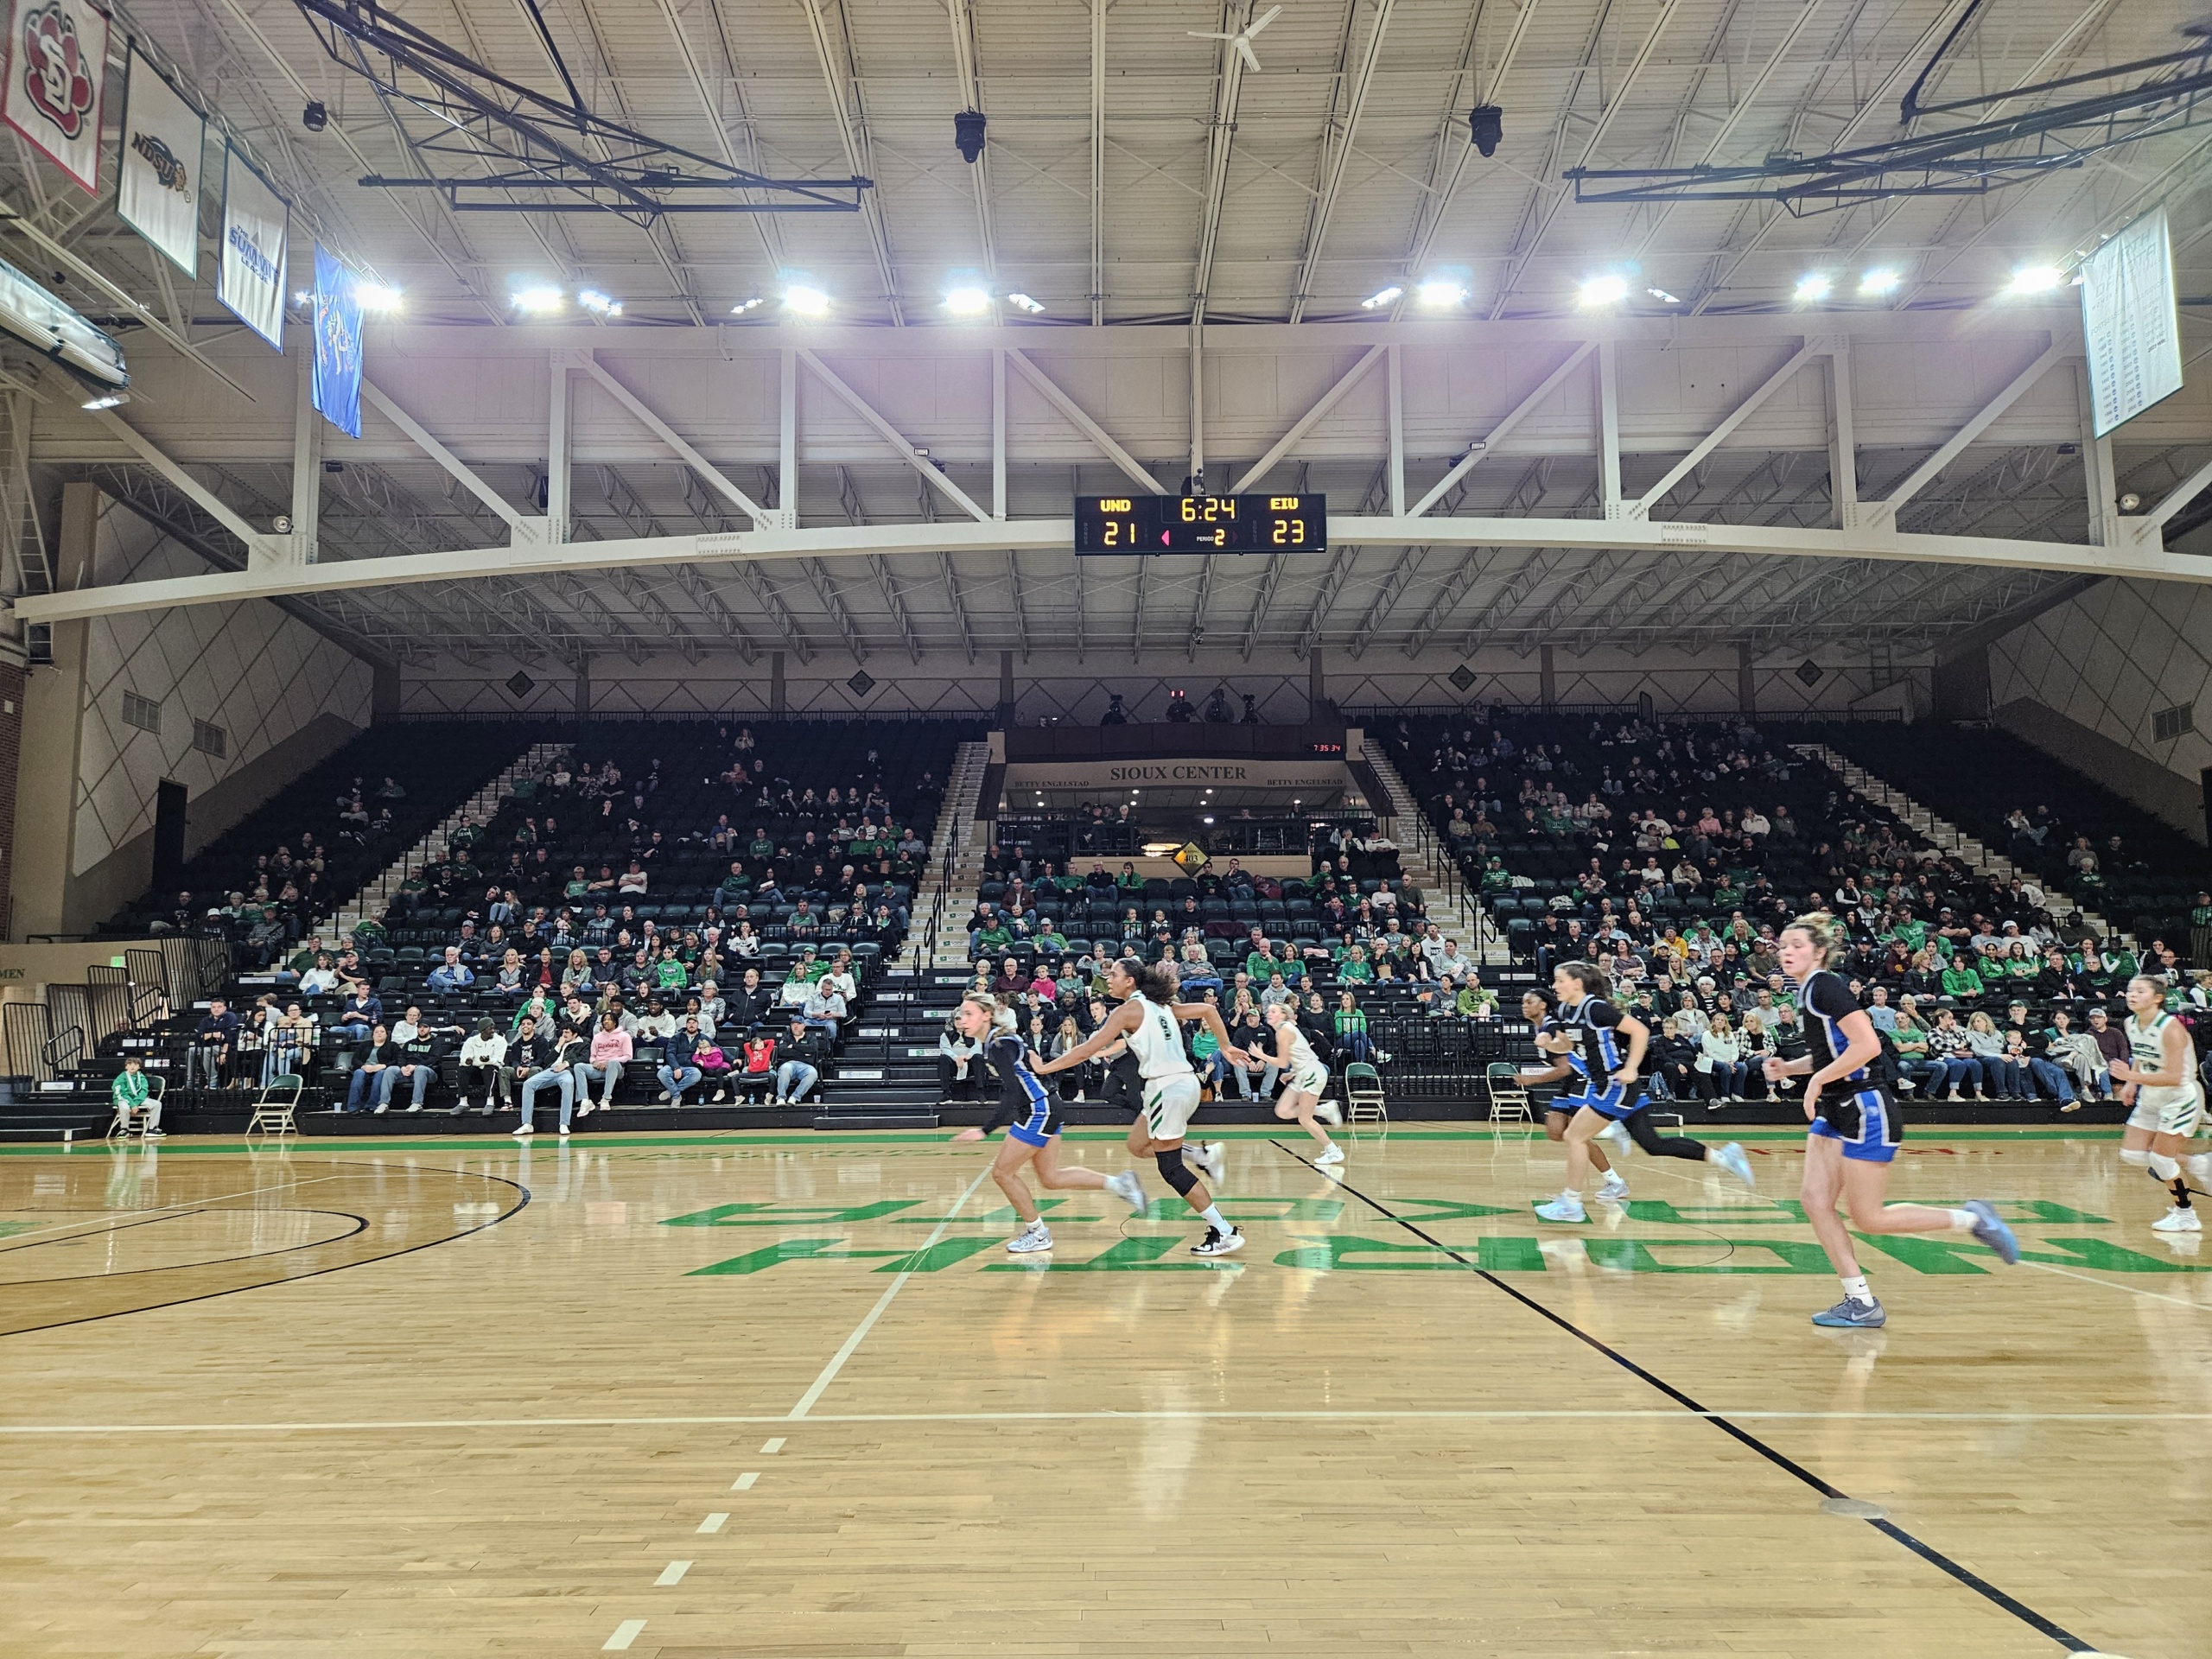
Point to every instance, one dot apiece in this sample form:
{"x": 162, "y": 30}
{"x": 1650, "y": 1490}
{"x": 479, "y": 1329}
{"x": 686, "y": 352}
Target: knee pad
{"x": 2141, "y": 1159}
{"x": 2200, "y": 1165}
{"x": 2164, "y": 1167}
{"x": 1175, "y": 1172}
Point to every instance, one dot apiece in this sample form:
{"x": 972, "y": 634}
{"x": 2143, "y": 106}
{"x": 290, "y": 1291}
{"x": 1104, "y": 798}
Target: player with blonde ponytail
{"x": 1855, "y": 1134}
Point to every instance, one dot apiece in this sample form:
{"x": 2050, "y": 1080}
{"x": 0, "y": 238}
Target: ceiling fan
{"x": 1241, "y": 40}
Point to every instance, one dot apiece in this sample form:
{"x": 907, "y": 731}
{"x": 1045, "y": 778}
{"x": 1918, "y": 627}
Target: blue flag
{"x": 337, "y": 344}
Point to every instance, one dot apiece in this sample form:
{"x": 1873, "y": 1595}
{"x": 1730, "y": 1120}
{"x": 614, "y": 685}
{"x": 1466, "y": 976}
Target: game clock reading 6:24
{"x": 1201, "y": 524}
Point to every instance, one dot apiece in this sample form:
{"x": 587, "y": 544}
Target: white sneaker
{"x": 1617, "y": 1137}
{"x": 1613, "y": 1191}
{"x": 564, "y": 1131}
{"x": 2177, "y": 1221}
{"x": 526, "y": 1130}
{"x": 584, "y": 1111}
{"x": 1213, "y": 1159}
{"x": 417, "y": 1107}
{"x": 1331, "y": 1154}
{"x": 1130, "y": 1190}
{"x": 1329, "y": 1112}
{"x": 1035, "y": 1237}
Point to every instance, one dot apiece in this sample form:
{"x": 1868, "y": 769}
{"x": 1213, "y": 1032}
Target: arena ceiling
{"x": 1136, "y": 177}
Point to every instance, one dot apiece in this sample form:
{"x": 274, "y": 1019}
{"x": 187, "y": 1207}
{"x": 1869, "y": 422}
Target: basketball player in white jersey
{"x": 1149, "y": 1022}
{"x": 1305, "y": 1075}
{"x": 2159, "y": 1083}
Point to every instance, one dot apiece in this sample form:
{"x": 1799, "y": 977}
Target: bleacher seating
{"x": 2148, "y": 873}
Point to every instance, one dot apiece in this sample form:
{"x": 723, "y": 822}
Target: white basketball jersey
{"x": 2147, "y": 1052}
{"x": 1158, "y": 1042}
{"x": 1302, "y": 1057}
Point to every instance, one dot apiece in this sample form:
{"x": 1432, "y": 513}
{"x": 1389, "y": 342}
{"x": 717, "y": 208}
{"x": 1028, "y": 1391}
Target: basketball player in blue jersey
{"x": 1855, "y": 1131}
{"x": 1555, "y": 1046}
{"x": 1609, "y": 1057}
{"x": 1031, "y": 1118}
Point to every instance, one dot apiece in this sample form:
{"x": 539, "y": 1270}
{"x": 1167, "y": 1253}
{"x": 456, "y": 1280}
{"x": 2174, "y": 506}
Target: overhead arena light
{"x": 744, "y": 306}
{"x": 2036, "y": 279}
{"x": 538, "y": 301}
{"x": 1377, "y": 302}
{"x": 1662, "y": 297}
{"x": 1023, "y": 303}
{"x": 108, "y": 400}
{"x": 1879, "y": 282}
{"x": 803, "y": 301}
{"x": 1440, "y": 293}
{"x": 597, "y": 303}
{"x": 1812, "y": 288}
{"x": 967, "y": 301}
{"x": 375, "y": 296}
{"x": 1609, "y": 289}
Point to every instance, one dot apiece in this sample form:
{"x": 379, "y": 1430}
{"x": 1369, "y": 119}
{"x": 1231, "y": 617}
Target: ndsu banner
{"x": 250, "y": 277}
{"x": 57, "y": 74}
{"x": 157, "y": 183}
{"x": 337, "y": 344}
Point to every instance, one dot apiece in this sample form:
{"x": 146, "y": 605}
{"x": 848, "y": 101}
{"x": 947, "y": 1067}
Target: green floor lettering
{"x": 1448, "y": 1210}
{"x": 1343, "y": 1250}
{"x": 1635, "y": 1255}
{"x": 787, "y": 1215}
{"x": 1173, "y": 1209}
{"x": 789, "y": 1250}
{"x": 1949, "y": 1252}
{"x": 1130, "y": 1255}
{"x": 945, "y": 1253}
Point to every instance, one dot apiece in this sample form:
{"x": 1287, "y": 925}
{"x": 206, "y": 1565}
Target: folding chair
{"x": 276, "y": 1107}
{"x": 1508, "y": 1095}
{"x": 1363, "y": 1095}
{"x": 133, "y": 1120}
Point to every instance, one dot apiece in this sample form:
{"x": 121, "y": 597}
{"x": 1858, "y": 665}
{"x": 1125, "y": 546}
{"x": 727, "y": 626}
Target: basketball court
{"x": 767, "y": 1395}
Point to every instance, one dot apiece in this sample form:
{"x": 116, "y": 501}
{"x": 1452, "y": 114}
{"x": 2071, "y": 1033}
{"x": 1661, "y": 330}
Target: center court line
{"x": 1933, "y": 1557}
{"x": 806, "y": 1400}
{"x": 1353, "y": 1414}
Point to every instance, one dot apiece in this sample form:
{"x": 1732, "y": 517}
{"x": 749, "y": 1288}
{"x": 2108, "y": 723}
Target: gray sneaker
{"x": 1856, "y": 1315}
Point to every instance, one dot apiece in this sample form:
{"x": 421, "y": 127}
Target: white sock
{"x": 1854, "y": 1290}
{"x": 1215, "y": 1220}
{"x": 1961, "y": 1220}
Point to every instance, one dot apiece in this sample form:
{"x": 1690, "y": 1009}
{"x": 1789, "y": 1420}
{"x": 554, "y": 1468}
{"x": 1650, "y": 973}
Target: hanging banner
{"x": 337, "y": 344}
{"x": 157, "y": 182}
{"x": 2130, "y": 323}
{"x": 57, "y": 70}
{"x": 250, "y": 277}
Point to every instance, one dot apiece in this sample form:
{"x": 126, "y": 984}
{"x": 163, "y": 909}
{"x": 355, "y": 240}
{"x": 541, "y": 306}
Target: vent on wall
{"x": 209, "y": 738}
{"x": 2168, "y": 724}
{"x": 142, "y": 712}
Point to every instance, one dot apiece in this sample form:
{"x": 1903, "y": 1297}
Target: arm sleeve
{"x": 1004, "y": 1051}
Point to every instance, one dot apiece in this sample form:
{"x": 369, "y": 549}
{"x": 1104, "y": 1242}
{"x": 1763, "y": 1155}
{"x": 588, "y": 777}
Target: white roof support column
{"x": 2098, "y": 478}
{"x": 1608, "y": 430}
{"x": 1097, "y": 163}
{"x": 1397, "y": 436}
{"x": 1843, "y": 437}
{"x": 307, "y": 462}
{"x": 556, "y": 454}
{"x": 787, "y": 443}
{"x": 998, "y": 435}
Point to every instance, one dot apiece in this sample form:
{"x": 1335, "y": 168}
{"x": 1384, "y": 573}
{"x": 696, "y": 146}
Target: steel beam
{"x": 1306, "y": 423}
{"x": 892, "y": 436}
{"x": 1925, "y": 474}
{"x": 668, "y": 434}
{"x": 1712, "y": 440}
{"x": 1075, "y": 416}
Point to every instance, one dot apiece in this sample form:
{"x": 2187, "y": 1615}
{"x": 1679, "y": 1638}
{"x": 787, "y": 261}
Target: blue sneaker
{"x": 1564, "y": 1208}
{"x": 1732, "y": 1159}
{"x": 1992, "y": 1232}
{"x": 1854, "y": 1315}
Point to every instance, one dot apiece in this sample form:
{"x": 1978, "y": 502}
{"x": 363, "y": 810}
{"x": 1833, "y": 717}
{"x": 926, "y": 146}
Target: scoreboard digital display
{"x": 1112, "y": 525}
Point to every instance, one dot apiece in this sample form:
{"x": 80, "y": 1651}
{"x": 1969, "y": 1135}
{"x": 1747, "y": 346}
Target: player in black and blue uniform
{"x": 1031, "y": 1117}
{"x": 1555, "y": 1046}
{"x": 1608, "y": 1058}
{"x": 1855, "y": 1133}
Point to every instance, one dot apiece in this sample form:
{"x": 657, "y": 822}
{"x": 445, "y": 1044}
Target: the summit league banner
{"x": 250, "y": 278}
{"x": 337, "y": 389}
{"x": 158, "y": 183}
{"x": 57, "y": 74}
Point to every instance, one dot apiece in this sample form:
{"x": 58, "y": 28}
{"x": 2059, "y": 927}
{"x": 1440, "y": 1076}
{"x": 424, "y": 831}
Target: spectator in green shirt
{"x": 1354, "y": 969}
{"x": 130, "y": 1090}
{"x": 1960, "y": 980}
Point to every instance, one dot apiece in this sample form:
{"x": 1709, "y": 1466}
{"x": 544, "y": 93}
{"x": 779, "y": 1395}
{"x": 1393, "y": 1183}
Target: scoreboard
{"x": 1113, "y": 525}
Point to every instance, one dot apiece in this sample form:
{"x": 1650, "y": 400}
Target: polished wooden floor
{"x": 787, "y": 1395}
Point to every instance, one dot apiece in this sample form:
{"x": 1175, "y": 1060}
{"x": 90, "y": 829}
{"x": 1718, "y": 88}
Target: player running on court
{"x": 1556, "y": 1045}
{"x": 1031, "y": 1118}
{"x": 1609, "y": 1055}
{"x": 1855, "y": 1134}
{"x": 2159, "y": 1084}
{"x": 1147, "y": 1020}
{"x": 1305, "y": 1075}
